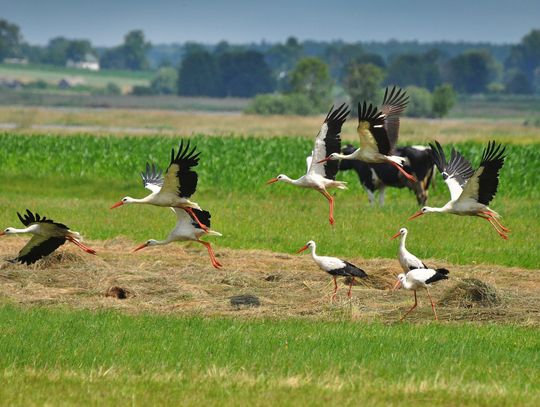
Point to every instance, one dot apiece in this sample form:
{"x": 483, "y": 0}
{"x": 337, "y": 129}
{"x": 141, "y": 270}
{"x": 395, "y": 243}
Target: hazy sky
{"x": 105, "y": 22}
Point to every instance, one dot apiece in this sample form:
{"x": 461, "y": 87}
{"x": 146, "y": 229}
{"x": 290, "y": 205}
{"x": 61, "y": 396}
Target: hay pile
{"x": 471, "y": 292}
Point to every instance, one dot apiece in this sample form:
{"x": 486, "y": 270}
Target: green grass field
{"x": 83, "y": 176}
{"x": 109, "y": 358}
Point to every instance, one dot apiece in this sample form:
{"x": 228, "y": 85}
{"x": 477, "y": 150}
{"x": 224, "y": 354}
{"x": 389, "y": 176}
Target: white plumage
{"x": 407, "y": 260}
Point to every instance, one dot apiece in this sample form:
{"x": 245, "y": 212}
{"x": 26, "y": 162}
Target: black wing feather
{"x": 440, "y": 274}
{"x": 186, "y": 159}
{"x": 458, "y": 166}
{"x": 30, "y": 218}
{"x": 334, "y": 120}
{"x": 43, "y": 249}
{"x": 152, "y": 175}
{"x": 393, "y": 105}
{"x": 488, "y": 181}
{"x": 375, "y": 118}
{"x": 203, "y": 216}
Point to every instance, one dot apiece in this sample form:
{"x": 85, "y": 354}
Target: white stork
{"x": 420, "y": 278}
{"x": 175, "y": 189}
{"x": 378, "y": 132}
{"x": 335, "y": 267}
{"x": 323, "y": 176}
{"x": 407, "y": 260}
{"x": 48, "y": 236}
{"x": 470, "y": 191}
{"x": 187, "y": 229}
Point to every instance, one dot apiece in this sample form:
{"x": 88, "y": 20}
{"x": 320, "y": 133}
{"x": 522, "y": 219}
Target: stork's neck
{"x": 30, "y": 229}
{"x": 402, "y": 242}
{"x": 313, "y": 252}
{"x": 432, "y": 209}
{"x": 144, "y": 200}
{"x": 288, "y": 180}
{"x": 351, "y": 156}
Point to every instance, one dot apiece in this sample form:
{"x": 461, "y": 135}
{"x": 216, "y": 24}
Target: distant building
{"x": 70, "y": 82}
{"x": 11, "y": 83}
{"x": 89, "y": 62}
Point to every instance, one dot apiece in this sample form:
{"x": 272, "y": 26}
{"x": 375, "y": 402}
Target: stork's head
{"x": 123, "y": 201}
{"x": 308, "y": 245}
{"x": 7, "y": 231}
{"x": 400, "y": 281}
{"x": 148, "y": 243}
{"x": 280, "y": 177}
{"x": 402, "y": 232}
{"x": 331, "y": 157}
{"x": 422, "y": 211}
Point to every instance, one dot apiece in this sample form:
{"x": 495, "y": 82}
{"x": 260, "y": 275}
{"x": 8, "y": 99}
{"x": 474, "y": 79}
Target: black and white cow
{"x": 375, "y": 177}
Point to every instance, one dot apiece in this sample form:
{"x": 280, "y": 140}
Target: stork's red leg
{"x": 213, "y": 259}
{"x": 81, "y": 245}
{"x": 196, "y": 219}
{"x": 494, "y": 218}
{"x": 432, "y": 305}
{"x": 335, "y": 290}
{"x": 490, "y": 220}
{"x": 410, "y": 177}
{"x": 350, "y": 287}
{"x": 331, "y": 202}
{"x": 413, "y": 307}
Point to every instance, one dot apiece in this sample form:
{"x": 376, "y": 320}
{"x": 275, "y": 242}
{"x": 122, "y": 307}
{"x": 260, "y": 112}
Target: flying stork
{"x": 323, "y": 176}
{"x": 378, "y": 131}
{"x": 335, "y": 267}
{"x": 470, "y": 191}
{"x": 48, "y": 236}
{"x": 187, "y": 229}
{"x": 419, "y": 278}
{"x": 176, "y": 187}
{"x": 407, "y": 260}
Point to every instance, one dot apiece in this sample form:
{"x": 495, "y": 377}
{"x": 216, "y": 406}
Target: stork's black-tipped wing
{"x": 28, "y": 218}
{"x": 328, "y": 141}
{"x": 354, "y": 271}
{"x": 394, "y": 103}
{"x": 203, "y": 216}
{"x": 38, "y": 247}
{"x": 179, "y": 177}
{"x": 455, "y": 172}
{"x": 152, "y": 178}
{"x": 440, "y": 274}
{"x": 482, "y": 186}
{"x": 371, "y": 129}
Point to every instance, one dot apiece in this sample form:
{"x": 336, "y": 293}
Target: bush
{"x": 442, "y": 100}
{"x": 164, "y": 83}
{"x": 419, "y": 102}
{"x": 139, "y": 90}
{"x": 289, "y": 104}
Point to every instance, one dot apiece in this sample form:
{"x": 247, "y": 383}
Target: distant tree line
{"x": 314, "y": 72}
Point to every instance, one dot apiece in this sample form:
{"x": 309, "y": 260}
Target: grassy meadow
{"x": 110, "y": 358}
{"x": 82, "y": 176}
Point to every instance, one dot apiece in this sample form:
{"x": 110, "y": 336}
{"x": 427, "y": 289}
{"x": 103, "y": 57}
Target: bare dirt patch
{"x": 179, "y": 279}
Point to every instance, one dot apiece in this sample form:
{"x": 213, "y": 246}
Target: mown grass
{"x": 59, "y": 356}
{"x": 75, "y": 179}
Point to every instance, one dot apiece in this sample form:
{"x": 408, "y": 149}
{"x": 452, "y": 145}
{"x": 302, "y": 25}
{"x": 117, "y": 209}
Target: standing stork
{"x": 378, "y": 131}
{"x": 335, "y": 267}
{"x": 187, "y": 229}
{"x": 323, "y": 176}
{"x": 420, "y": 278}
{"x": 407, "y": 260}
{"x": 470, "y": 191}
{"x": 176, "y": 187}
{"x": 48, "y": 236}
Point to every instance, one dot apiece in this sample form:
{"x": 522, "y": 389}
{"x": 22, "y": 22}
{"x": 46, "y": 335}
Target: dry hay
{"x": 471, "y": 292}
{"x": 179, "y": 279}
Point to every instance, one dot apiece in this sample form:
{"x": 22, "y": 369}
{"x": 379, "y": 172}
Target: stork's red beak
{"x": 417, "y": 214}
{"x": 396, "y": 235}
{"x": 397, "y": 285}
{"x": 117, "y": 204}
{"x": 140, "y": 247}
{"x": 323, "y": 160}
{"x": 2, "y": 233}
{"x": 302, "y": 249}
{"x": 272, "y": 181}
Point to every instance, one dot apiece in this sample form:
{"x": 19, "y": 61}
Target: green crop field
{"x": 61, "y": 344}
{"x": 82, "y": 176}
{"x": 107, "y": 358}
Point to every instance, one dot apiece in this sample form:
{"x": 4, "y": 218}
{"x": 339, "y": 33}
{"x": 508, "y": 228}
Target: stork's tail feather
{"x": 442, "y": 271}
{"x": 341, "y": 184}
{"x": 213, "y": 233}
{"x": 397, "y": 159}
